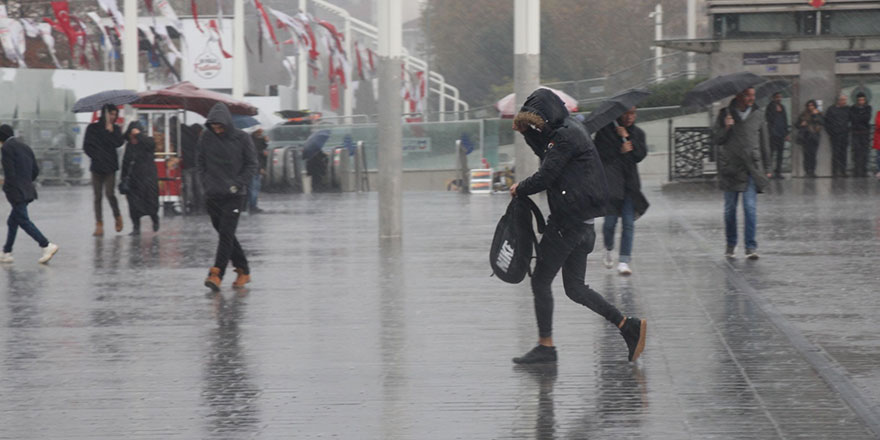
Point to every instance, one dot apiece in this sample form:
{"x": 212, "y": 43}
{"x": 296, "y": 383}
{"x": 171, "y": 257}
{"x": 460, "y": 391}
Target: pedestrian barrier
{"x": 693, "y": 154}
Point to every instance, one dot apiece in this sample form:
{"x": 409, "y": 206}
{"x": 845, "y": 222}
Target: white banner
{"x": 203, "y": 62}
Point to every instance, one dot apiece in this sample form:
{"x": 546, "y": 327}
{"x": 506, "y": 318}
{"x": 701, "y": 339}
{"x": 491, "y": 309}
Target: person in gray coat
{"x": 743, "y": 142}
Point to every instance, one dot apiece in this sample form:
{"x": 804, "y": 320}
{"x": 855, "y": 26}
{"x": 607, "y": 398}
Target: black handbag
{"x": 125, "y": 183}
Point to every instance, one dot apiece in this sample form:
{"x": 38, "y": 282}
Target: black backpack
{"x": 514, "y": 241}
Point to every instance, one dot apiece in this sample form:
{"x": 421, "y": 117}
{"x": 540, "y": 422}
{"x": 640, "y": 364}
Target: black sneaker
{"x": 541, "y": 354}
{"x": 634, "y": 331}
{"x": 752, "y": 254}
{"x": 729, "y": 252}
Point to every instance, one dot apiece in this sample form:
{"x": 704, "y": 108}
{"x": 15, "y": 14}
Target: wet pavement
{"x": 343, "y": 336}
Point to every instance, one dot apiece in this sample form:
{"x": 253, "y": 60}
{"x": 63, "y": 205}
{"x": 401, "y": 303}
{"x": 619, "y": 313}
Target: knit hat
{"x": 6, "y": 132}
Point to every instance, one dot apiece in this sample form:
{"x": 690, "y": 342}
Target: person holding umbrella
{"x": 226, "y": 163}
{"x": 741, "y": 134}
{"x": 621, "y": 146}
{"x": 101, "y": 140}
{"x": 139, "y": 181}
{"x": 572, "y": 175}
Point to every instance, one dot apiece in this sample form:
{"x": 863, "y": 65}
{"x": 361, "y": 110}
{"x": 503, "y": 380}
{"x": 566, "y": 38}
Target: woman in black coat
{"x": 140, "y": 180}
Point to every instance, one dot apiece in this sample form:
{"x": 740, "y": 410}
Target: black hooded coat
{"x": 621, "y": 169}
{"x": 226, "y": 162}
{"x": 571, "y": 171}
{"x": 100, "y": 145}
{"x": 20, "y": 170}
{"x": 139, "y": 167}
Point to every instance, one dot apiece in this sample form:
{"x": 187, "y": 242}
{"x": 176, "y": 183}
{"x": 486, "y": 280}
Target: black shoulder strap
{"x": 539, "y": 217}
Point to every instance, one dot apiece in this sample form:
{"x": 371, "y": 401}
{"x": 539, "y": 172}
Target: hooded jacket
{"x": 100, "y": 145}
{"x": 571, "y": 171}
{"x": 139, "y": 168}
{"x": 226, "y": 162}
{"x": 742, "y": 150}
{"x": 621, "y": 169}
{"x": 20, "y": 170}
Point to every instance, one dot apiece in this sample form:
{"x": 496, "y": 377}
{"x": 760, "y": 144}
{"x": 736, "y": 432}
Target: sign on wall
{"x": 203, "y": 62}
{"x": 857, "y": 61}
{"x": 772, "y": 63}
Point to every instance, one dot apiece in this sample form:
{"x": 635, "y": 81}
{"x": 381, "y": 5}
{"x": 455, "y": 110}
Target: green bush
{"x": 669, "y": 92}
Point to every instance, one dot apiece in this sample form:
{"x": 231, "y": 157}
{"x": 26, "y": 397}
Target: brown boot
{"x": 118, "y": 223}
{"x": 213, "y": 280}
{"x": 241, "y": 279}
{"x": 99, "y": 229}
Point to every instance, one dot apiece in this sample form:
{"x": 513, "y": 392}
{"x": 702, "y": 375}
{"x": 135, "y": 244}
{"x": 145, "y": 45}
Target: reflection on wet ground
{"x": 342, "y": 335}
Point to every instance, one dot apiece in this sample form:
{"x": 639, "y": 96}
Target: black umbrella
{"x": 770, "y": 88}
{"x": 720, "y": 87}
{"x": 93, "y": 103}
{"x": 314, "y": 143}
{"x": 611, "y": 109}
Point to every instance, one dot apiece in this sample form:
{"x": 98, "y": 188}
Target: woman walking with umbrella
{"x": 140, "y": 179}
{"x": 810, "y": 125}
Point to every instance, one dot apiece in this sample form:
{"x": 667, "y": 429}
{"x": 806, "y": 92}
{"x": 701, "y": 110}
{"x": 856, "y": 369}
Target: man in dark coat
{"x": 621, "y": 147}
{"x": 19, "y": 173}
{"x": 141, "y": 177}
{"x": 260, "y": 145}
{"x": 777, "y": 124}
{"x": 837, "y": 125}
{"x": 572, "y": 175}
{"x": 860, "y": 118}
{"x": 226, "y": 162}
{"x": 741, "y": 135}
{"x": 192, "y": 185}
{"x": 101, "y": 141}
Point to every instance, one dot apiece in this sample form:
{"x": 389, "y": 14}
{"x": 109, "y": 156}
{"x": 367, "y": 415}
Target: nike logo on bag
{"x": 505, "y": 255}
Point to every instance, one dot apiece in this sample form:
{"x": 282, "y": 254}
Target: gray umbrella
{"x": 720, "y": 87}
{"x": 770, "y": 88}
{"x": 93, "y": 103}
{"x": 611, "y": 109}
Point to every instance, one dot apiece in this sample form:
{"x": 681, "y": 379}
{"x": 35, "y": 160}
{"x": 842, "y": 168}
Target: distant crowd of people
{"x": 848, "y": 128}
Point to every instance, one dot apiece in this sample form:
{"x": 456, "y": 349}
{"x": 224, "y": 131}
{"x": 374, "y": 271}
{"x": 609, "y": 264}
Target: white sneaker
{"x": 624, "y": 269}
{"x": 6, "y": 257}
{"x": 609, "y": 260}
{"x": 48, "y": 253}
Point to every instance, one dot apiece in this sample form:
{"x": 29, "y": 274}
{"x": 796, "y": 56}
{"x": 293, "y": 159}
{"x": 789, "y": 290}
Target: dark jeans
{"x": 810, "y": 149}
{"x": 106, "y": 184}
{"x": 839, "y": 146}
{"x": 254, "y": 190}
{"x": 777, "y": 147}
{"x": 18, "y": 218}
{"x": 566, "y": 250}
{"x": 224, "y": 214}
{"x": 750, "y": 212}
{"x": 193, "y": 193}
{"x": 860, "y": 146}
{"x": 627, "y": 225}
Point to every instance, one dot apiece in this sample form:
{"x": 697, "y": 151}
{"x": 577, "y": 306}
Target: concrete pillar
{"x": 691, "y": 34}
{"x": 526, "y": 72}
{"x": 239, "y": 58}
{"x": 302, "y": 72}
{"x": 657, "y": 15}
{"x": 130, "y": 45}
{"x": 390, "y": 153}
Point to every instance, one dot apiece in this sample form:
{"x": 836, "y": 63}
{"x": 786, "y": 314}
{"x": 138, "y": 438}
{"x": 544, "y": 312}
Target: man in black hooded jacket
{"x": 572, "y": 175}
{"x": 226, "y": 163}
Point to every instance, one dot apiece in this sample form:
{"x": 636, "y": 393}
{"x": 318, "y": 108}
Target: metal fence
{"x": 57, "y": 147}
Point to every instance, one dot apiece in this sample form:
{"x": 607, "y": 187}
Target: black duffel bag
{"x": 515, "y": 241}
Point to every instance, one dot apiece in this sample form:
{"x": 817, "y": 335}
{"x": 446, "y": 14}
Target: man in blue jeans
{"x": 621, "y": 147}
{"x": 743, "y": 148}
{"x": 19, "y": 172}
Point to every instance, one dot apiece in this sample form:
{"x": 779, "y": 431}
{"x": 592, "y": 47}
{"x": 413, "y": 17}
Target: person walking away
{"x": 742, "y": 137}
{"x": 837, "y": 122}
{"x": 810, "y": 124}
{"x": 571, "y": 173}
{"x": 192, "y": 185}
{"x": 316, "y": 167}
{"x": 260, "y": 145}
{"x": 777, "y": 124}
{"x": 140, "y": 176}
{"x": 101, "y": 141}
{"x": 20, "y": 170}
{"x": 621, "y": 147}
{"x": 860, "y": 120}
{"x": 226, "y": 163}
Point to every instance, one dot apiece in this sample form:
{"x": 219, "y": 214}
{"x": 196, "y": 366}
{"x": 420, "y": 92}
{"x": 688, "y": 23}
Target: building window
{"x": 851, "y": 22}
{"x": 764, "y": 25}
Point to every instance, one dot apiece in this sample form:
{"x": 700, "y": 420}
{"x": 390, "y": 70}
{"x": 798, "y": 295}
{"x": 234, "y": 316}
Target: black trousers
{"x": 777, "y": 147}
{"x": 860, "y": 147}
{"x": 811, "y": 147}
{"x": 224, "y": 213}
{"x": 839, "y": 147}
{"x": 566, "y": 250}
